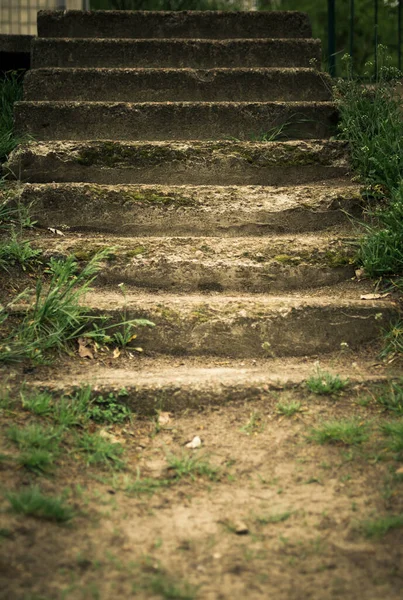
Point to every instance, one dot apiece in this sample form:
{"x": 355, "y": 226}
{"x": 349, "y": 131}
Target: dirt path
{"x": 259, "y": 511}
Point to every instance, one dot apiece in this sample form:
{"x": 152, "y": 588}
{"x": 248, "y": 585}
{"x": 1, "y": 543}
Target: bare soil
{"x": 123, "y": 545}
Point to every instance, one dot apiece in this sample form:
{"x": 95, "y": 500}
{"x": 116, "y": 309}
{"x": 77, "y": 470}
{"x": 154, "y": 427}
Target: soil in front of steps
{"x": 260, "y": 510}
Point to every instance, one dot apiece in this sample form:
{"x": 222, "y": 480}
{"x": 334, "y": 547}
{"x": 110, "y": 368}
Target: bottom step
{"x": 177, "y": 384}
{"x": 248, "y": 326}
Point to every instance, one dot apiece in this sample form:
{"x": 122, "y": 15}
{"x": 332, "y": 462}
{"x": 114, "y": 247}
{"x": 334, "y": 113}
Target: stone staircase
{"x": 147, "y": 129}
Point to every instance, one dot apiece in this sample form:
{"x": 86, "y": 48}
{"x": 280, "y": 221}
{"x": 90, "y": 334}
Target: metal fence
{"x": 383, "y": 24}
{"x": 19, "y": 16}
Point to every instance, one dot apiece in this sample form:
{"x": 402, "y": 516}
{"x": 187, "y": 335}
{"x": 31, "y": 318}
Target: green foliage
{"x": 325, "y": 384}
{"x": 34, "y": 503}
{"x": 347, "y": 432}
{"x": 274, "y": 518}
{"x": 165, "y": 586}
{"x": 379, "y": 527}
{"x": 363, "y": 26}
{"x": 10, "y": 92}
{"x": 255, "y": 424}
{"x": 108, "y": 409}
{"x": 100, "y": 451}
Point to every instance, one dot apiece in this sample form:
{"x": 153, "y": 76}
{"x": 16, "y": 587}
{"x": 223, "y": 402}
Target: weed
{"x": 191, "y": 466}
{"x": 394, "y": 434}
{"x": 348, "y": 432}
{"x": 39, "y": 404}
{"x": 146, "y": 485}
{"x": 288, "y": 408}
{"x": 100, "y": 451}
{"x": 254, "y": 425}
{"x": 14, "y": 252}
{"x": 34, "y": 503}
{"x": 325, "y": 384}
{"x": 274, "y": 518}
{"x": 108, "y": 409}
{"x": 39, "y": 446}
{"x": 379, "y": 527}
{"x": 391, "y": 398}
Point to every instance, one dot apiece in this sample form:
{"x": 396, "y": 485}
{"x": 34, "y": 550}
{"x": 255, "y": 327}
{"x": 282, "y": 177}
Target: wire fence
{"x": 19, "y": 16}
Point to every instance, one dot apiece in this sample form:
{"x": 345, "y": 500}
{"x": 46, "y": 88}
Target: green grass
{"x": 165, "y": 586}
{"x": 393, "y": 433}
{"x": 325, "y": 384}
{"x": 377, "y": 528}
{"x": 100, "y": 451}
{"x": 391, "y": 397}
{"x": 371, "y": 120}
{"x": 255, "y": 424}
{"x": 39, "y": 446}
{"x": 350, "y": 432}
{"x": 58, "y": 317}
{"x": 146, "y": 485}
{"x": 192, "y": 466}
{"x": 34, "y": 503}
{"x": 10, "y": 92}
{"x": 289, "y": 408}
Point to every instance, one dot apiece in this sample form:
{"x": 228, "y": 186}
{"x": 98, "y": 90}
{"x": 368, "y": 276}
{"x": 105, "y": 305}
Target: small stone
{"x": 241, "y": 528}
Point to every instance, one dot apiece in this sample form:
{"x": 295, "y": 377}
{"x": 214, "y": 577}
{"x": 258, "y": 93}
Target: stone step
{"x": 191, "y": 210}
{"x": 196, "y": 54}
{"x": 215, "y": 163}
{"x": 183, "y": 264}
{"x": 179, "y": 24}
{"x": 179, "y": 85}
{"x": 176, "y": 385}
{"x": 248, "y": 326}
{"x": 174, "y": 120}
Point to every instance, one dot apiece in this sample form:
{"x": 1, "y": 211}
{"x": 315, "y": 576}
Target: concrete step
{"x": 191, "y": 210}
{"x": 248, "y": 326}
{"x": 196, "y": 54}
{"x": 174, "y": 120}
{"x": 209, "y": 163}
{"x": 176, "y": 385}
{"x": 182, "y": 24}
{"x": 183, "y": 264}
{"x": 178, "y": 85}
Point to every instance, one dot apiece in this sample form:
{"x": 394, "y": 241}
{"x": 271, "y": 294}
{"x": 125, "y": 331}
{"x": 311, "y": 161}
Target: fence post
{"x": 331, "y": 19}
{"x": 352, "y": 17}
{"x": 399, "y": 41}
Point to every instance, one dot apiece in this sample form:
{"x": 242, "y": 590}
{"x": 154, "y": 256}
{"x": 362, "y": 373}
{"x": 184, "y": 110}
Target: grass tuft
{"x": 288, "y": 409}
{"x": 326, "y": 384}
{"x": 347, "y": 432}
{"x": 191, "y": 466}
{"x": 34, "y": 503}
{"x": 10, "y": 92}
{"x": 100, "y": 451}
{"x": 393, "y": 433}
{"x": 377, "y": 528}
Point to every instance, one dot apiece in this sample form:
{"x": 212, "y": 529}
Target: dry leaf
{"x": 83, "y": 350}
{"x": 164, "y": 418}
{"x": 399, "y": 471}
{"x": 195, "y": 443}
{"x": 374, "y": 296}
{"x": 116, "y": 353}
{"x": 360, "y": 274}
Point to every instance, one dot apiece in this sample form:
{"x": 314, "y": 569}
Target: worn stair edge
{"x": 247, "y": 327}
{"x": 202, "y": 54}
{"x": 183, "y": 264}
{"x": 174, "y": 120}
{"x": 158, "y": 85}
{"x": 184, "y": 24}
{"x": 196, "y": 384}
{"x": 191, "y": 210}
{"x": 215, "y": 163}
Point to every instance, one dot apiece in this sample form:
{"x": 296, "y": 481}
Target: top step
{"x": 178, "y": 24}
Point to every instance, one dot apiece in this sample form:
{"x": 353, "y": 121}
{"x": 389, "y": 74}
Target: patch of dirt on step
{"x": 258, "y": 510}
